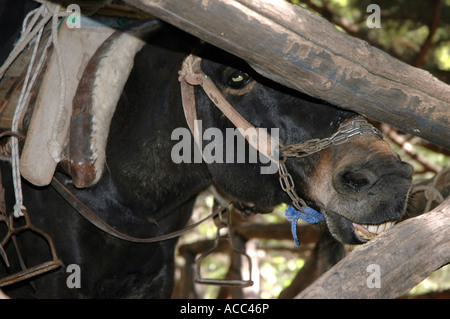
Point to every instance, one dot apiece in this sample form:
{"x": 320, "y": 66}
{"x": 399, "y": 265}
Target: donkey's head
{"x": 360, "y": 186}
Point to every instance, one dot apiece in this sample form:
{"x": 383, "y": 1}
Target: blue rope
{"x": 308, "y": 215}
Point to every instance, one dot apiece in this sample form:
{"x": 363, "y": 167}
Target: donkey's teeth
{"x": 367, "y": 232}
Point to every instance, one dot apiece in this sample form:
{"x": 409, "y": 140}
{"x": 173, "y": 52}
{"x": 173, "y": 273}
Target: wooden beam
{"x": 405, "y": 255}
{"x": 301, "y": 50}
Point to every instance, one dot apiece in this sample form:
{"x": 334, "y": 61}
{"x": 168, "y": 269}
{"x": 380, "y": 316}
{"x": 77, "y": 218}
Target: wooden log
{"x": 304, "y": 277}
{"x": 301, "y": 50}
{"x": 404, "y": 255}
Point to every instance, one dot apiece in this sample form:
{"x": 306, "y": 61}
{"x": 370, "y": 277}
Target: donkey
{"x": 360, "y": 187}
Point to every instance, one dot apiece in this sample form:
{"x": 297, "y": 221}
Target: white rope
{"x": 37, "y": 71}
{"x": 18, "y": 207}
{"x": 32, "y": 29}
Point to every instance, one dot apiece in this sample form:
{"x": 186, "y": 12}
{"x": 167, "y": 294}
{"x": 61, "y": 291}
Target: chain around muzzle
{"x": 307, "y": 148}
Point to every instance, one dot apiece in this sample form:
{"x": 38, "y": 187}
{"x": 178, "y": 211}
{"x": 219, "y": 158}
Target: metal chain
{"x": 287, "y": 184}
{"x": 344, "y": 133}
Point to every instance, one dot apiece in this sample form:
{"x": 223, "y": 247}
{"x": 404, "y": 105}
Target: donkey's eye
{"x": 238, "y": 80}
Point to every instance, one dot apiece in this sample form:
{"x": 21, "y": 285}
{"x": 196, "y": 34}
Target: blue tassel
{"x": 309, "y": 215}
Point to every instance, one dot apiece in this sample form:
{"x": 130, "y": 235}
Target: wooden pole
{"x": 403, "y": 256}
{"x": 301, "y": 50}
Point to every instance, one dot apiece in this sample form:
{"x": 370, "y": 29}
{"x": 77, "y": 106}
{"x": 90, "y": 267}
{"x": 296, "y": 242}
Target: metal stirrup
{"x": 224, "y": 222}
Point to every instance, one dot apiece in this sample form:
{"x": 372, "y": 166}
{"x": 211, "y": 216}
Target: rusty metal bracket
{"x": 223, "y": 220}
{"x": 12, "y": 234}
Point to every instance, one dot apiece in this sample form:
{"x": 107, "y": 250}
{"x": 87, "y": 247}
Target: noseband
{"x": 191, "y": 75}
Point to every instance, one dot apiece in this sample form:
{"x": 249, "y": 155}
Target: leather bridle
{"x": 191, "y": 75}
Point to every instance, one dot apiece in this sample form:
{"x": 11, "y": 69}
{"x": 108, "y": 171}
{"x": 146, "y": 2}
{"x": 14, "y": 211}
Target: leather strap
{"x": 87, "y": 213}
{"x": 191, "y": 75}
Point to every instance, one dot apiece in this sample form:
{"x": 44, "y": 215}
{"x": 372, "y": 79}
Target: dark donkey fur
{"x": 144, "y": 193}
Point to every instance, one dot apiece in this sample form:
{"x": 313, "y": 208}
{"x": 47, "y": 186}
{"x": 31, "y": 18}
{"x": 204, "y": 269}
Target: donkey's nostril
{"x": 355, "y": 180}
{"x": 350, "y": 181}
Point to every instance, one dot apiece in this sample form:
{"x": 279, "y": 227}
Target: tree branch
{"x": 434, "y": 24}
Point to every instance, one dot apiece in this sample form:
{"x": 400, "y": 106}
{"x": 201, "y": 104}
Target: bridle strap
{"x": 187, "y": 78}
{"x": 191, "y": 75}
{"x": 87, "y": 213}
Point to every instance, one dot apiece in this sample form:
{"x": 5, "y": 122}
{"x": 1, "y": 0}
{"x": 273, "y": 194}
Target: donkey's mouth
{"x": 366, "y": 232}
